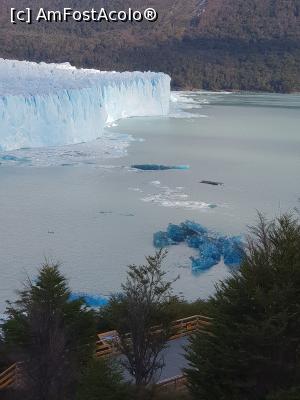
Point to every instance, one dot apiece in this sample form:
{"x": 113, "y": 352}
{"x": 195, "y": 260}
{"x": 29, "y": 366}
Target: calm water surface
{"x": 96, "y": 216}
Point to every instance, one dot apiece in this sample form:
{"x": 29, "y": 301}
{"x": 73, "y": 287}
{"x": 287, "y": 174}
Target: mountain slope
{"x": 211, "y": 44}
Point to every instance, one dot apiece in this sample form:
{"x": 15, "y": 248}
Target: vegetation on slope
{"x": 210, "y": 44}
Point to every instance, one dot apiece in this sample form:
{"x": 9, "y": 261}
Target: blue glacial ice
{"x": 212, "y": 247}
{"x": 92, "y": 301}
{"x": 177, "y": 233}
{"x": 57, "y": 104}
{"x": 230, "y": 253}
{"x": 158, "y": 167}
{"x": 10, "y": 157}
{"x": 161, "y": 239}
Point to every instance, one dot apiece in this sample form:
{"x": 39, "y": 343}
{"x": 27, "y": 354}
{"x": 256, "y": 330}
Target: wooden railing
{"x": 8, "y": 377}
{"x": 186, "y": 326}
{"x": 107, "y": 345}
{"x": 175, "y": 383}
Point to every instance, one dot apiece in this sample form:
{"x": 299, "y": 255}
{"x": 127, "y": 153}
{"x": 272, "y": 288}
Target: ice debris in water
{"x": 92, "y": 301}
{"x": 158, "y": 167}
{"x": 213, "y": 183}
{"x": 211, "y": 245}
{"x": 9, "y": 157}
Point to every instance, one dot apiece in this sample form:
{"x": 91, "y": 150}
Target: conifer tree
{"x": 51, "y": 334}
{"x": 253, "y": 350}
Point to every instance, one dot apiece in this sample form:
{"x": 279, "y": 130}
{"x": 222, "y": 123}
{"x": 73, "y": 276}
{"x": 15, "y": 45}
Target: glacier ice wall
{"x": 56, "y": 104}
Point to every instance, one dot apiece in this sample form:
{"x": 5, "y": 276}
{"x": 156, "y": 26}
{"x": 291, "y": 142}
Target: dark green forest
{"x": 210, "y": 44}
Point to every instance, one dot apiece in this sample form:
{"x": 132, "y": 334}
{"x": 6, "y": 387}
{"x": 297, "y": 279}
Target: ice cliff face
{"x": 57, "y": 104}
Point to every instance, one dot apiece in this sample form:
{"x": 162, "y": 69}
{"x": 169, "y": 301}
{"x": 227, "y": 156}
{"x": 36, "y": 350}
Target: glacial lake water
{"x": 85, "y": 207}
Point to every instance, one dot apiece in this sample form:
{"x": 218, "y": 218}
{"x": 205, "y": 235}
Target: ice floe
{"x": 212, "y": 246}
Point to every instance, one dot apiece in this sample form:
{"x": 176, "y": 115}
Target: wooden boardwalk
{"x": 107, "y": 345}
{"x": 8, "y": 377}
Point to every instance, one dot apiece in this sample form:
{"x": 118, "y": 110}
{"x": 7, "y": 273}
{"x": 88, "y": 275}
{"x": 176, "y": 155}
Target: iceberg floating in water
{"x": 10, "y": 157}
{"x": 231, "y": 255}
{"x": 177, "y": 233}
{"x": 211, "y": 246}
{"x": 161, "y": 239}
{"x": 213, "y": 183}
{"x": 57, "y": 104}
{"x": 157, "y": 167}
{"x": 92, "y": 301}
{"x": 202, "y": 263}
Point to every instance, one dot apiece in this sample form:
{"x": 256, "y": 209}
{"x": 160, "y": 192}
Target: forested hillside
{"x": 211, "y": 44}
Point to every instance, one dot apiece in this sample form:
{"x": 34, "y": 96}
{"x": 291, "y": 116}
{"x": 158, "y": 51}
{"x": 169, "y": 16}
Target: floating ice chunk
{"x": 194, "y": 227}
{"x": 176, "y": 199}
{"x": 136, "y": 190}
{"x": 210, "y": 250}
{"x": 158, "y": 167}
{"x": 161, "y": 240}
{"x": 194, "y": 241}
{"x": 173, "y": 202}
{"x": 177, "y": 233}
{"x": 233, "y": 251}
{"x": 211, "y": 246}
{"x": 110, "y": 145}
{"x": 202, "y": 263}
{"x": 10, "y": 157}
{"x": 213, "y": 183}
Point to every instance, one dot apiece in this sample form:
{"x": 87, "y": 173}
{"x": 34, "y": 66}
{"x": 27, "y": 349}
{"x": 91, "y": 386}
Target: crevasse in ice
{"x": 56, "y": 104}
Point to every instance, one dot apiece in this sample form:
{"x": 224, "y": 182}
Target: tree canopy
{"x": 253, "y": 350}
{"x": 52, "y": 335}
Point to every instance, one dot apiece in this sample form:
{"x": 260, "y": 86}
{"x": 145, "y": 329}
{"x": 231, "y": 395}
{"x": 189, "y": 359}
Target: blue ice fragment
{"x": 202, "y": 264}
{"x": 233, "y": 251}
{"x": 90, "y": 300}
{"x": 9, "y": 157}
{"x": 160, "y": 240}
{"x": 194, "y": 227}
{"x": 210, "y": 255}
{"x": 158, "y": 167}
{"x": 212, "y": 246}
{"x": 194, "y": 241}
{"x": 220, "y": 242}
{"x": 209, "y": 250}
{"x": 177, "y": 233}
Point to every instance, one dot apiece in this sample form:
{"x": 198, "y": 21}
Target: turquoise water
{"x": 88, "y": 209}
